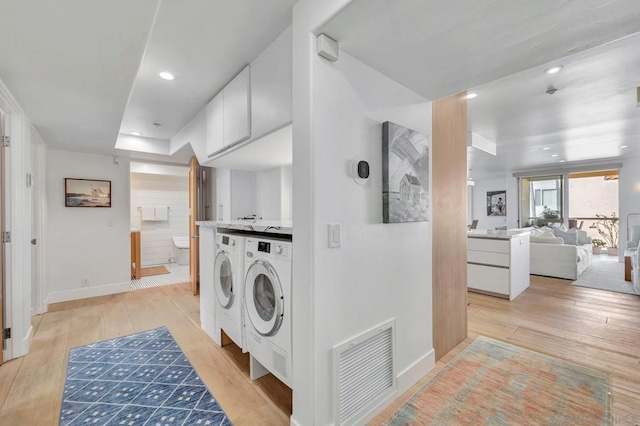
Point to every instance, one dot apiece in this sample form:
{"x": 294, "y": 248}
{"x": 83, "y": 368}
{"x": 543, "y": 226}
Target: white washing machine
{"x": 267, "y": 300}
{"x": 228, "y": 284}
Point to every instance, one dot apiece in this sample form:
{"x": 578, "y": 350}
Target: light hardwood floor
{"x": 594, "y": 328}
{"x": 31, "y": 387}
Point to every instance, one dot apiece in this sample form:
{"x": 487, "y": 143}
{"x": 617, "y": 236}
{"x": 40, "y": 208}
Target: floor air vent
{"x": 365, "y": 373}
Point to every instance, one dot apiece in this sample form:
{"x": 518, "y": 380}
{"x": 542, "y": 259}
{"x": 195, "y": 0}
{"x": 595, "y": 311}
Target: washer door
{"x": 223, "y": 280}
{"x": 263, "y": 298}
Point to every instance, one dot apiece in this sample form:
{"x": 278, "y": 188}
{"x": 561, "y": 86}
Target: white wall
{"x": 629, "y": 196}
{"x": 480, "y": 189}
{"x": 382, "y": 271}
{"x": 87, "y": 242}
{"x": 156, "y": 237}
{"x": 286, "y": 193}
{"x": 269, "y": 194}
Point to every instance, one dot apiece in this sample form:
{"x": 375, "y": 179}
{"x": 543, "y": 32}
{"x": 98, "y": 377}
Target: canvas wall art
{"x": 87, "y": 193}
{"x": 497, "y": 203}
{"x": 405, "y": 174}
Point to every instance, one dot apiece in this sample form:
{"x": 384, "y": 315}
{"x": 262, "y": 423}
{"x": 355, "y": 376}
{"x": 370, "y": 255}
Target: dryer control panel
{"x": 268, "y": 248}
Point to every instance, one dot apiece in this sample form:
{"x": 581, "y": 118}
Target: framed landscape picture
{"x": 405, "y": 174}
{"x": 87, "y": 193}
{"x": 497, "y": 203}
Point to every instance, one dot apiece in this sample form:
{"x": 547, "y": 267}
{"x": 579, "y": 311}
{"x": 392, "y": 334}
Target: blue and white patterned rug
{"x": 141, "y": 379}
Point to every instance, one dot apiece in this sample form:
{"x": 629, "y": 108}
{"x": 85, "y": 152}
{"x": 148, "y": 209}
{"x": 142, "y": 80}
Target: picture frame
{"x": 405, "y": 175}
{"x": 496, "y": 203}
{"x": 91, "y": 193}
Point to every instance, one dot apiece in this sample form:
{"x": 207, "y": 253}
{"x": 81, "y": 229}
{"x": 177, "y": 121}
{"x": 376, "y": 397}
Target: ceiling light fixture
{"x": 546, "y": 148}
{"x": 562, "y": 161}
{"x": 134, "y": 133}
{"x": 472, "y": 95}
{"x": 166, "y": 75}
{"x": 554, "y": 70}
{"x": 554, "y": 155}
{"x": 623, "y": 146}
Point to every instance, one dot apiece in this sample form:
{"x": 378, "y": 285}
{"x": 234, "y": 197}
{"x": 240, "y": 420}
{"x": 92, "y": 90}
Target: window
{"x": 541, "y": 201}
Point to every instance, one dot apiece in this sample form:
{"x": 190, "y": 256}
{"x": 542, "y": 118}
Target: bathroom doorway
{"x": 159, "y": 225}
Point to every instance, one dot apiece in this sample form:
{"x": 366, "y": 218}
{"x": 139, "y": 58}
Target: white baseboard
{"x": 86, "y": 292}
{"x": 293, "y": 421}
{"x": 25, "y": 344}
{"x": 416, "y": 371}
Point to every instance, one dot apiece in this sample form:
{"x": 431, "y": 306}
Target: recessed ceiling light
{"x": 554, "y": 155}
{"x": 134, "y": 133}
{"x": 623, "y": 146}
{"x": 554, "y": 70}
{"x": 546, "y": 148}
{"x": 166, "y": 75}
{"x": 562, "y": 161}
{"x": 472, "y": 95}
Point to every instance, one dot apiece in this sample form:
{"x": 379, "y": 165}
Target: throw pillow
{"x": 563, "y": 227}
{"x": 545, "y": 240}
{"x": 547, "y": 233}
{"x": 568, "y": 237}
{"x": 583, "y": 238}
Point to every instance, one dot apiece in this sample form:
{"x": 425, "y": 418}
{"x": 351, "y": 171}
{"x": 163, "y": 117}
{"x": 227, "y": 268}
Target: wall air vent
{"x": 364, "y": 373}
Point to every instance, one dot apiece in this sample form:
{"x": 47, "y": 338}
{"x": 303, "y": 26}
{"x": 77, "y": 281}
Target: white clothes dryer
{"x": 267, "y": 300}
{"x": 228, "y": 284}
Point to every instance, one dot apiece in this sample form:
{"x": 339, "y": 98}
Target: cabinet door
{"x": 207, "y": 254}
{"x": 215, "y": 124}
{"x": 271, "y": 79}
{"x": 237, "y": 109}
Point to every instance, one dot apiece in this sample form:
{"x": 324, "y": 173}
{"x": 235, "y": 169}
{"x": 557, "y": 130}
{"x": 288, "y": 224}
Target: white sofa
{"x": 554, "y": 258}
{"x": 560, "y": 260}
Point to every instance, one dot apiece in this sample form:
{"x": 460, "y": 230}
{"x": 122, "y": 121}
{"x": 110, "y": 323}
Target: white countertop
{"x": 496, "y": 235}
{"x": 267, "y": 226}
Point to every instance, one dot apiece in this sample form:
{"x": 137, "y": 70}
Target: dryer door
{"x": 264, "y": 300}
{"x": 223, "y": 280}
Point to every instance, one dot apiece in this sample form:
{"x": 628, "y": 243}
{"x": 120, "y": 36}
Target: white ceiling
{"x": 500, "y": 50}
{"x": 438, "y": 48}
{"x": 591, "y": 115}
{"x": 72, "y": 64}
{"x": 204, "y": 45}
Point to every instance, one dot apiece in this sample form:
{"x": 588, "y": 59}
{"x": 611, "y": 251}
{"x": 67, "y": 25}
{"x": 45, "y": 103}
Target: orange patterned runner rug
{"x": 494, "y": 383}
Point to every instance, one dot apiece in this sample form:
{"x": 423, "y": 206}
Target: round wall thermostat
{"x": 360, "y": 171}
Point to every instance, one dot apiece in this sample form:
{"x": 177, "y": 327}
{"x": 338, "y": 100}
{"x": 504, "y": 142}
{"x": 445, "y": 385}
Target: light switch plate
{"x": 334, "y": 235}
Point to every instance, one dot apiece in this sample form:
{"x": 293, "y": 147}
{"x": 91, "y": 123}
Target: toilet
{"x": 181, "y": 250}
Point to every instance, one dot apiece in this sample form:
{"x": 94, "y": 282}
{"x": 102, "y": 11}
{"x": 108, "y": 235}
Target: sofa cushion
{"x": 568, "y": 237}
{"x": 545, "y": 240}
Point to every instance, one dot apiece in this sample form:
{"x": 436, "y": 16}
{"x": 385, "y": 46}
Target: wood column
{"x": 449, "y": 200}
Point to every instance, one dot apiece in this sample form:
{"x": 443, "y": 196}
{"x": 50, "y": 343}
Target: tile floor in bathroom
{"x": 178, "y": 274}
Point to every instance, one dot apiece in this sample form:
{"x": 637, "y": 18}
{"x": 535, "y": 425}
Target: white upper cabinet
{"x": 215, "y": 124}
{"x": 271, "y": 75}
{"x": 237, "y": 108}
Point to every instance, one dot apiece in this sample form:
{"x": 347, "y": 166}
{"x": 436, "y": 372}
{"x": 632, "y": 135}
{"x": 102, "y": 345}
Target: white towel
{"x": 162, "y": 213}
{"x": 148, "y": 213}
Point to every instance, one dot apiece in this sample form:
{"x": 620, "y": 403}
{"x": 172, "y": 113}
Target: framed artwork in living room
{"x": 496, "y": 203}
